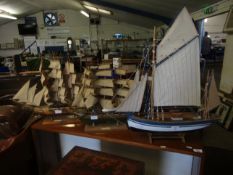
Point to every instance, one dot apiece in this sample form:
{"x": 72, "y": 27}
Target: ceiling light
{"x": 105, "y": 11}
{"x": 205, "y": 20}
{"x": 4, "y": 15}
{"x": 84, "y": 13}
{"x": 91, "y": 8}
{"x": 94, "y": 9}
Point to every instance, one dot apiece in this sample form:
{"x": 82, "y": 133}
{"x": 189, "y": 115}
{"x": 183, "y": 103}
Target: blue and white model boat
{"x": 175, "y": 82}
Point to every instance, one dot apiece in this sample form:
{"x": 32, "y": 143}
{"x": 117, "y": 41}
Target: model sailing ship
{"x": 55, "y": 87}
{"x": 174, "y": 84}
{"x": 103, "y": 86}
{"x": 99, "y": 87}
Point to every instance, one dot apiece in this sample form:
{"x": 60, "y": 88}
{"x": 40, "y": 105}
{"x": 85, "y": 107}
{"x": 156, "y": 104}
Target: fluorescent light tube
{"x": 104, "y": 11}
{"x": 3, "y": 15}
{"x": 91, "y": 8}
{"x": 84, "y": 13}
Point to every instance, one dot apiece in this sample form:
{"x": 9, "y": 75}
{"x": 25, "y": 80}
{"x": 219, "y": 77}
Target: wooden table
{"x": 192, "y": 146}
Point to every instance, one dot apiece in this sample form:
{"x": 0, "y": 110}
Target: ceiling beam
{"x": 164, "y": 19}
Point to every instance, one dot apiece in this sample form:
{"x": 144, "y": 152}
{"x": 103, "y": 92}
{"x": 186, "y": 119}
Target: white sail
{"x": 213, "y": 98}
{"x": 22, "y": 94}
{"x": 133, "y": 102}
{"x": 31, "y": 94}
{"x": 177, "y": 77}
{"x": 177, "y": 80}
{"x": 181, "y": 32}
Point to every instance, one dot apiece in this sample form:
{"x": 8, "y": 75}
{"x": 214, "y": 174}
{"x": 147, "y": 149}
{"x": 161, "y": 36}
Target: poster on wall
{"x": 28, "y": 41}
{"x": 61, "y": 18}
{"x": 62, "y": 32}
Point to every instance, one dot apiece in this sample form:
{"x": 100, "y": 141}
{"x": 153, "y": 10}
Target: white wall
{"x": 214, "y": 26}
{"x": 76, "y": 26}
{"x": 156, "y": 162}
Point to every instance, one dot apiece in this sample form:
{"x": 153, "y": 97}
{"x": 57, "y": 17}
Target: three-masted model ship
{"x": 55, "y": 87}
{"x": 170, "y": 99}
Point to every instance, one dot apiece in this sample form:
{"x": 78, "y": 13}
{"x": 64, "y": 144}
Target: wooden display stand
{"x": 170, "y": 136}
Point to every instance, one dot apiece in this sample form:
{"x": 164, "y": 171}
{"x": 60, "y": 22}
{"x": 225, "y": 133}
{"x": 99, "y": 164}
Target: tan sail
{"x": 104, "y": 73}
{"x": 125, "y": 69}
{"x": 73, "y": 78}
{"x": 69, "y": 68}
{"x": 31, "y": 94}
{"x": 86, "y": 81}
{"x": 104, "y": 83}
{"x": 122, "y": 92}
{"x": 53, "y": 74}
{"x": 60, "y": 84}
{"x": 58, "y": 74}
{"x": 213, "y": 99}
{"x": 125, "y": 83}
{"x": 90, "y": 101}
{"x": 106, "y": 104}
{"x": 55, "y": 85}
{"x": 55, "y": 64}
{"x": 38, "y": 97}
{"x": 79, "y": 100}
{"x": 42, "y": 78}
{"x": 106, "y": 91}
{"x": 88, "y": 91}
{"x": 87, "y": 72}
{"x": 104, "y": 66}
{"x": 76, "y": 90}
{"x": 22, "y": 94}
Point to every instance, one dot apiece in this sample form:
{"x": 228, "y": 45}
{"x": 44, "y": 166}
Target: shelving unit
{"x": 127, "y": 48}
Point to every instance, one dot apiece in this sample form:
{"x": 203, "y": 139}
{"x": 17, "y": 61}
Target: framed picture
{"x": 222, "y": 112}
{"x": 229, "y": 119}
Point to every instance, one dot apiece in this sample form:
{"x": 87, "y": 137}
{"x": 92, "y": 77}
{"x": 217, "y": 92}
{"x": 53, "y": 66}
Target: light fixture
{"x": 4, "y": 14}
{"x": 205, "y": 20}
{"x": 95, "y": 9}
{"x": 91, "y": 8}
{"x": 105, "y": 11}
{"x": 208, "y": 36}
{"x": 84, "y": 13}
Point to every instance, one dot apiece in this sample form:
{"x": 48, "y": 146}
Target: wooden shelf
{"x": 130, "y": 137}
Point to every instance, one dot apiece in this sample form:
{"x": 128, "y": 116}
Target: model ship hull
{"x": 167, "y": 126}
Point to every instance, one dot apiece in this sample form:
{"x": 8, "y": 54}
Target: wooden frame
{"x": 222, "y": 111}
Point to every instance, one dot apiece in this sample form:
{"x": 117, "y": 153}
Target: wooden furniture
{"x": 192, "y": 146}
{"x": 85, "y": 161}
